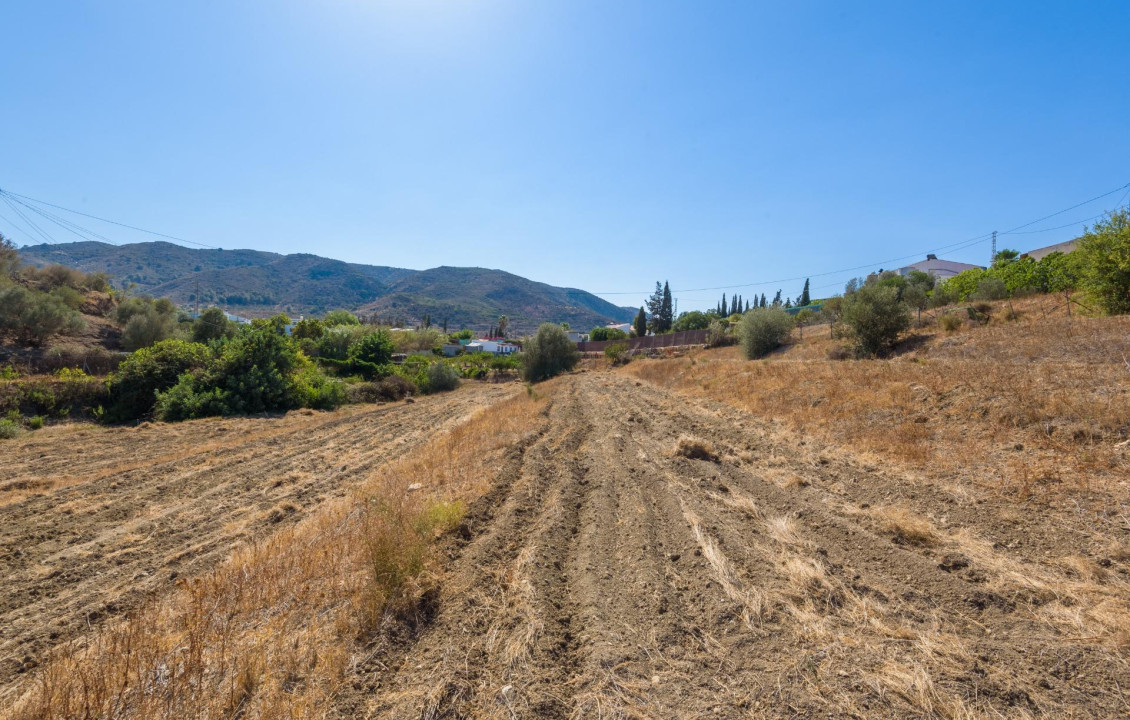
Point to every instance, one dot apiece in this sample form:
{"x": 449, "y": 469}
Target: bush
{"x": 693, "y": 320}
{"x": 145, "y": 373}
{"x": 875, "y": 318}
{"x": 335, "y": 318}
{"x": 212, "y": 324}
{"x": 441, "y": 377}
{"x": 549, "y": 352}
{"x": 68, "y": 296}
{"x": 10, "y": 429}
{"x": 390, "y": 389}
{"x": 980, "y": 313}
{"x": 950, "y": 321}
{"x": 308, "y": 329}
{"x": 314, "y": 390}
{"x": 147, "y": 328}
{"x": 617, "y": 353}
{"x": 1103, "y": 255}
{"x": 599, "y": 334}
{"x": 763, "y": 330}
{"x": 33, "y": 316}
{"x": 718, "y": 334}
{"x": 990, "y": 288}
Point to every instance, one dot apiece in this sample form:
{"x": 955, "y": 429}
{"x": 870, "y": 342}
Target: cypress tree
{"x": 777, "y": 299}
{"x": 667, "y": 309}
{"x": 805, "y": 298}
{"x": 724, "y": 312}
{"x": 641, "y": 323}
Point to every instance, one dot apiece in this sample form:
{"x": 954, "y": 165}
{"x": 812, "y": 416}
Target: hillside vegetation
{"x": 260, "y": 284}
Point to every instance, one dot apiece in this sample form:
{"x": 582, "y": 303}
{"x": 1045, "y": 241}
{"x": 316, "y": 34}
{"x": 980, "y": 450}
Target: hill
{"x": 257, "y": 283}
{"x": 464, "y": 295}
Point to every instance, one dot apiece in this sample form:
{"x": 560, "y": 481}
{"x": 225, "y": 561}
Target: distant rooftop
{"x": 938, "y": 268}
{"x": 1041, "y": 253}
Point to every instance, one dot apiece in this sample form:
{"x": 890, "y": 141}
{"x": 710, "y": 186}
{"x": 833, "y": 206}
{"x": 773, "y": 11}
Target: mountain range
{"x": 255, "y": 283}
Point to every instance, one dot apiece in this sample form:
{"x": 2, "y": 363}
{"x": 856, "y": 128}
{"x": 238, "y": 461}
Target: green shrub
{"x": 145, "y": 373}
{"x": 441, "y": 377}
{"x": 875, "y": 318}
{"x": 990, "y": 288}
{"x": 308, "y": 329}
{"x": 549, "y": 352}
{"x": 980, "y": 313}
{"x": 314, "y": 390}
{"x": 335, "y": 318}
{"x": 33, "y": 316}
{"x": 1104, "y": 261}
{"x": 718, "y": 334}
{"x": 35, "y": 422}
{"x": 68, "y": 296}
{"x": 213, "y": 324}
{"x": 389, "y": 389}
{"x": 10, "y": 429}
{"x": 693, "y": 320}
{"x": 617, "y": 353}
{"x": 599, "y": 334}
{"x": 371, "y": 351}
{"x": 763, "y": 330}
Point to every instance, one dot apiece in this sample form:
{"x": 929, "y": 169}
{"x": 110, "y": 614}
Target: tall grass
{"x": 272, "y": 632}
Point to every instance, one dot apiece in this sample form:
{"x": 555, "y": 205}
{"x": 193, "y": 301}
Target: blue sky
{"x": 590, "y": 144}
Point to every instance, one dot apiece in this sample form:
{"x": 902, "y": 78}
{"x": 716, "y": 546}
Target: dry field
{"x": 686, "y": 538}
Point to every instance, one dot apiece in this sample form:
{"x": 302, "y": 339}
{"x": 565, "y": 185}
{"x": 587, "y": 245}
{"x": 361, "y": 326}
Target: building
{"x": 576, "y": 336}
{"x": 493, "y": 347}
{"x": 941, "y": 269}
{"x": 626, "y": 328}
{"x": 1041, "y": 253}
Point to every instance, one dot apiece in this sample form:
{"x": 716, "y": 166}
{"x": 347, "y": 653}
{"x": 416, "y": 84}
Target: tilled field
{"x": 638, "y": 553}
{"x": 94, "y": 519}
{"x": 608, "y": 576}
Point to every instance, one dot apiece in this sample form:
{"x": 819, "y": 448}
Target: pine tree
{"x": 777, "y": 299}
{"x": 747, "y": 304}
{"x": 805, "y": 298}
{"x": 641, "y": 323}
{"x": 762, "y": 300}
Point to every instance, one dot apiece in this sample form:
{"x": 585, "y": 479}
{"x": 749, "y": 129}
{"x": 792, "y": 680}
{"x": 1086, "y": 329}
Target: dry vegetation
{"x": 940, "y": 535}
{"x": 270, "y": 632}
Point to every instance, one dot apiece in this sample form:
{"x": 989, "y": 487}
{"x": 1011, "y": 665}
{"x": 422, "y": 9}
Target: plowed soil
{"x": 94, "y": 519}
{"x": 608, "y": 575}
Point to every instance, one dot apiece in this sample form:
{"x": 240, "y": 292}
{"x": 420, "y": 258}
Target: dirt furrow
{"x": 619, "y": 579}
{"x": 91, "y": 549}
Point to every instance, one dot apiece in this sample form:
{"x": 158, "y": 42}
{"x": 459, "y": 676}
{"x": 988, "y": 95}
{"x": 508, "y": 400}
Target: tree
{"x": 33, "y": 316}
{"x": 1004, "y": 257}
{"x": 212, "y": 324}
{"x": 548, "y": 353}
{"x": 1104, "y": 261}
{"x": 503, "y": 321}
{"x": 876, "y": 317}
{"x": 762, "y": 331}
{"x": 604, "y": 333}
{"x": 640, "y": 324}
{"x": 777, "y": 299}
{"x": 692, "y": 320}
{"x": 724, "y": 309}
{"x": 308, "y": 329}
{"x": 9, "y": 259}
{"x": 805, "y": 298}
{"x": 340, "y": 317}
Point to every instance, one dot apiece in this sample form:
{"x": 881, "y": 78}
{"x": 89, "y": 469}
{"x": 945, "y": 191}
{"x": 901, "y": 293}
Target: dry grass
{"x": 906, "y": 527}
{"x": 696, "y": 449}
{"x": 271, "y": 633}
{"x": 1036, "y": 405}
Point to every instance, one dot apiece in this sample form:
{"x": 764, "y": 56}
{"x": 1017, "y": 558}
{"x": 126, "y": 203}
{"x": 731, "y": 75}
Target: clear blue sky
{"x": 601, "y": 145}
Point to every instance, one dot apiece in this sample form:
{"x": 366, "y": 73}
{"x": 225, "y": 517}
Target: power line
{"x": 105, "y": 220}
{"x": 951, "y": 248}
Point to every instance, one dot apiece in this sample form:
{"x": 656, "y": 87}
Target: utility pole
{"x": 993, "y": 257}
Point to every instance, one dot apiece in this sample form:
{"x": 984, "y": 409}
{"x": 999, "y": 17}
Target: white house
{"x": 492, "y": 346}
{"x": 939, "y": 268}
{"x": 575, "y": 335}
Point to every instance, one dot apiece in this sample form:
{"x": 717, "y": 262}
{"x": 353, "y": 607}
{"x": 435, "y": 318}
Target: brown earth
{"x": 608, "y": 575}
{"x": 639, "y": 552}
{"x": 94, "y": 519}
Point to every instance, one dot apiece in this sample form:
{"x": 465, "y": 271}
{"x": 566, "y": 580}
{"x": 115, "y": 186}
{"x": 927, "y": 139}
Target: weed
{"x": 696, "y": 449}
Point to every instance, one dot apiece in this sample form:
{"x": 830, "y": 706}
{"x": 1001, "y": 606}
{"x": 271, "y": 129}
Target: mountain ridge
{"x": 261, "y": 283}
